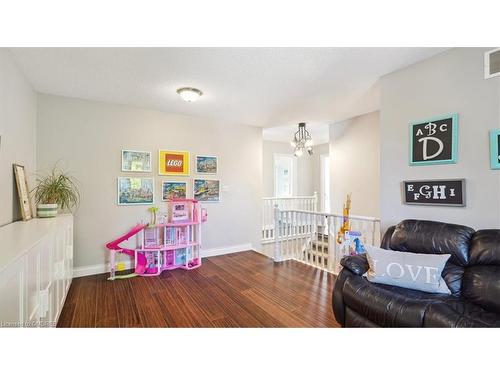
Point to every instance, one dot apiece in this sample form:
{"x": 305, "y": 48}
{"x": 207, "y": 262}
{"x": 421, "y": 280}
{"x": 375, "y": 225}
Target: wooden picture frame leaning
{"x": 23, "y": 192}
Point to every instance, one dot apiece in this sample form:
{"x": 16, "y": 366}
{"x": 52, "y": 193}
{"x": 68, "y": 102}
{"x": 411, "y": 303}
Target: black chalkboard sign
{"x": 434, "y": 141}
{"x": 435, "y": 192}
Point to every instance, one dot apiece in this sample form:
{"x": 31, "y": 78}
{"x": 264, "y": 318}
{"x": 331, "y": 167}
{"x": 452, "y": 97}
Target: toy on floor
{"x": 174, "y": 242}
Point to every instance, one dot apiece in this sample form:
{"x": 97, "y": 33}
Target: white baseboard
{"x": 103, "y": 268}
{"x": 225, "y": 250}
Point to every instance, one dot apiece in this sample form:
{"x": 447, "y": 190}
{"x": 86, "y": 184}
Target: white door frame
{"x": 323, "y": 195}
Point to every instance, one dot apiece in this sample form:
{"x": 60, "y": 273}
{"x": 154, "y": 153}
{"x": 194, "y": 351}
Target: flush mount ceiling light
{"x": 189, "y": 94}
{"x": 302, "y": 140}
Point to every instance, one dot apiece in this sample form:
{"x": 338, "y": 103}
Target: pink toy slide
{"x": 141, "y": 258}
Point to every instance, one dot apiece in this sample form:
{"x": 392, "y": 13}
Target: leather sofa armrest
{"x": 357, "y": 264}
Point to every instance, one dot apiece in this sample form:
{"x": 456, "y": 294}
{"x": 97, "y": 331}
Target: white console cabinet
{"x": 36, "y": 268}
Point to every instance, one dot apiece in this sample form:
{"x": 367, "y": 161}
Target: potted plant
{"x": 57, "y": 190}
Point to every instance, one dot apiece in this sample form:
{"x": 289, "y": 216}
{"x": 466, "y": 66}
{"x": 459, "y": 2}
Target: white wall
{"x": 18, "y": 107}
{"x": 355, "y": 164}
{"x": 88, "y": 136}
{"x": 447, "y": 83}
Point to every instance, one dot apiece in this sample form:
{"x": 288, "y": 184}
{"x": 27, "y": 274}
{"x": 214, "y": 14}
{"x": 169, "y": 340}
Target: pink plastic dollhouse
{"x": 172, "y": 243}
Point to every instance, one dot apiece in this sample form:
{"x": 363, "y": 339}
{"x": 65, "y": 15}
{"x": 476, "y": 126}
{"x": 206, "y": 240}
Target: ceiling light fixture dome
{"x": 302, "y": 140}
{"x": 189, "y": 94}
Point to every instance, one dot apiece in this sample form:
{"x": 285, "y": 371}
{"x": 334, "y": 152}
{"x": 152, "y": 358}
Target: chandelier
{"x": 302, "y": 141}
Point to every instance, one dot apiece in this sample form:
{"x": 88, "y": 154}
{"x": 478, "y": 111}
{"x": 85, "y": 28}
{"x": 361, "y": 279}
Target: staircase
{"x": 310, "y": 237}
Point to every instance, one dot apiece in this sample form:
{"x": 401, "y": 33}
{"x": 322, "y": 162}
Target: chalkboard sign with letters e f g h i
{"x": 435, "y": 192}
{"x": 434, "y": 141}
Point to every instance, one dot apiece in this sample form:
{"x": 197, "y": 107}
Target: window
{"x": 285, "y": 175}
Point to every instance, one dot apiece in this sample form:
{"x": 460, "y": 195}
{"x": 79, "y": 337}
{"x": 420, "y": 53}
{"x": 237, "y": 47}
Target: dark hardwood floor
{"x": 237, "y": 290}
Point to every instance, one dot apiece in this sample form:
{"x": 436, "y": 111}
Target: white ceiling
{"x": 266, "y": 87}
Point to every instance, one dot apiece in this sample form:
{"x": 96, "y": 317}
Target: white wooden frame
{"x": 133, "y": 204}
{"x": 142, "y": 152}
{"x": 487, "y": 64}
{"x": 206, "y": 156}
{"x": 207, "y": 179}
{"x": 23, "y": 192}
{"x": 170, "y": 181}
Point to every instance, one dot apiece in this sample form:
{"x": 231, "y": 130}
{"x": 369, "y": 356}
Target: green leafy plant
{"x": 58, "y": 187}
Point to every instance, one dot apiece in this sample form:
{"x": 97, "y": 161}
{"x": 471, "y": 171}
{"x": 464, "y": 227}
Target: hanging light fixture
{"x": 302, "y": 141}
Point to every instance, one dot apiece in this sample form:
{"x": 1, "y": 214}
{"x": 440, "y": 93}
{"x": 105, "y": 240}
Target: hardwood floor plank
{"x": 286, "y": 317}
{"x": 225, "y": 322}
{"x": 106, "y": 311}
{"x": 243, "y": 289}
{"x": 196, "y": 286}
{"x": 149, "y": 309}
{"x": 265, "y": 318}
{"x": 128, "y": 314}
{"x": 85, "y": 309}
{"x": 68, "y": 311}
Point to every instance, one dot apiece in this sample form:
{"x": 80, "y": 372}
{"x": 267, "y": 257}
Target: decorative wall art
{"x": 495, "y": 149}
{"x": 206, "y": 190}
{"x": 175, "y": 163}
{"x": 22, "y": 192}
{"x": 133, "y": 190}
{"x": 435, "y": 192}
{"x": 173, "y": 190}
{"x": 206, "y": 164}
{"x": 434, "y": 141}
{"x": 136, "y": 161}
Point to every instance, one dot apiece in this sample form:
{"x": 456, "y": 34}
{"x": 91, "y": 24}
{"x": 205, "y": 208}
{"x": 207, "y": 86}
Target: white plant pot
{"x": 47, "y": 210}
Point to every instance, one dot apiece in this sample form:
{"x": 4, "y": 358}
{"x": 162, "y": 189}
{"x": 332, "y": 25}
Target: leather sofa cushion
{"x": 385, "y": 243}
{"x": 459, "y": 313}
{"x": 485, "y": 248}
{"x": 431, "y": 237}
{"x": 453, "y": 276}
{"x": 357, "y": 264}
{"x": 385, "y": 305}
{"x": 481, "y": 285}
{"x": 354, "y": 320}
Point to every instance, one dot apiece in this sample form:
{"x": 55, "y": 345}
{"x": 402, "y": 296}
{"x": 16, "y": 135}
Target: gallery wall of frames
{"x": 180, "y": 174}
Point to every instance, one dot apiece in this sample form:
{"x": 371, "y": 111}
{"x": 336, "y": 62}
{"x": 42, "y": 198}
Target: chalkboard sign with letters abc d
{"x": 434, "y": 141}
{"x": 435, "y": 192}
{"x": 495, "y": 149}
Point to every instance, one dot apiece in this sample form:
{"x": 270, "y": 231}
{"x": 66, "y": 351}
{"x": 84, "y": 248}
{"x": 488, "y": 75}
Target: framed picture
{"x": 435, "y": 192}
{"x": 206, "y": 190}
{"x": 206, "y": 164}
{"x": 173, "y": 190}
{"x": 23, "y": 192}
{"x": 495, "y": 149}
{"x": 434, "y": 141}
{"x": 173, "y": 163}
{"x": 136, "y": 161}
{"x": 135, "y": 190}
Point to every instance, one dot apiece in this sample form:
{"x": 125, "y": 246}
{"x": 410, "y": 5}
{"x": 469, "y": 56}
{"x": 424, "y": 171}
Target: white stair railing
{"x": 311, "y": 237}
{"x": 305, "y": 203}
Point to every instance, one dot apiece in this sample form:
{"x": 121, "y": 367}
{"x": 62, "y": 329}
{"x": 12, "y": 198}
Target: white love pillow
{"x": 407, "y": 270}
